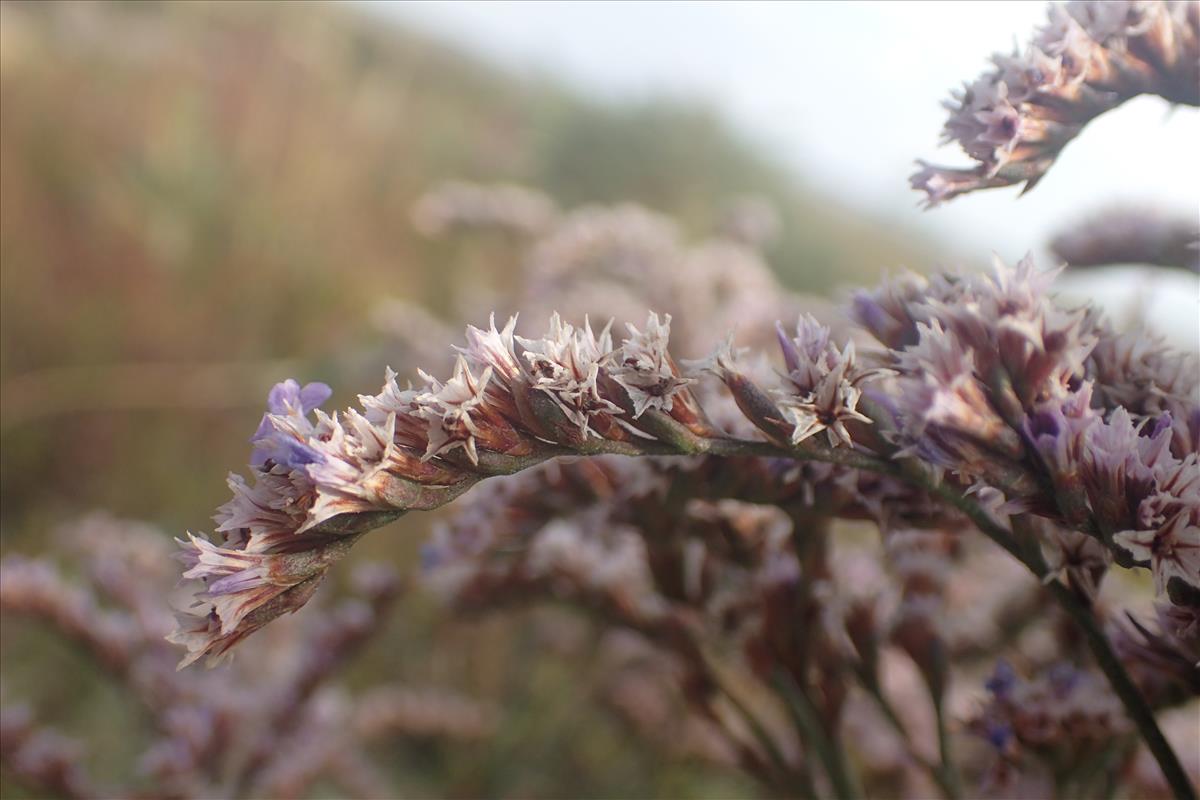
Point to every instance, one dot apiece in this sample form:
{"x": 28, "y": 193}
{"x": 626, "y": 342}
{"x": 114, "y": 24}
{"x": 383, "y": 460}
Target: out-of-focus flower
{"x": 753, "y": 220}
{"x": 1063, "y": 715}
{"x": 507, "y": 207}
{"x": 1137, "y": 371}
{"x": 891, "y": 311}
{"x": 1163, "y": 656}
{"x": 1131, "y": 236}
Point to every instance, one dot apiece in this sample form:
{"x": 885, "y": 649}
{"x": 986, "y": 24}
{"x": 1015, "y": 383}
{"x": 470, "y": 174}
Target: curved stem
{"x": 1135, "y": 704}
{"x": 759, "y": 731}
{"x": 808, "y": 723}
{"x": 947, "y": 770}
{"x": 936, "y": 774}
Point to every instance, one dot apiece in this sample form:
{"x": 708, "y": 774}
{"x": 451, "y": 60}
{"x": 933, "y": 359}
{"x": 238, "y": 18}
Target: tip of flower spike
{"x": 940, "y": 184}
{"x": 722, "y": 362}
{"x": 643, "y": 366}
{"x": 791, "y": 357}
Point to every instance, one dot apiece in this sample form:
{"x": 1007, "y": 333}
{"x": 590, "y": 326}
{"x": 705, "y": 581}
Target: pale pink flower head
{"x": 240, "y": 591}
{"x": 493, "y": 348}
{"x": 945, "y": 414}
{"x": 565, "y": 366}
{"x": 891, "y": 310}
{"x": 452, "y": 408}
{"x": 824, "y": 383}
{"x": 645, "y": 369}
{"x": 721, "y": 362}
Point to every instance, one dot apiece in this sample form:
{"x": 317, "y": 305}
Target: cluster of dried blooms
{"x": 273, "y": 727}
{"x": 983, "y": 403}
{"x": 1091, "y": 56}
{"x": 736, "y": 552}
{"x": 783, "y": 554}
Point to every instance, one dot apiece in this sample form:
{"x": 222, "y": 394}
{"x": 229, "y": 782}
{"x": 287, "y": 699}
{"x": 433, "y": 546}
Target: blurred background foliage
{"x": 202, "y": 199}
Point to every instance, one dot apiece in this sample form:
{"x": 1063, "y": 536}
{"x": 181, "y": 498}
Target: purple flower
{"x": 825, "y": 383}
{"x": 283, "y": 432}
{"x": 998, "y": 734}
{"x": 1003, "y": 679}
{"x": 289, "y": 398}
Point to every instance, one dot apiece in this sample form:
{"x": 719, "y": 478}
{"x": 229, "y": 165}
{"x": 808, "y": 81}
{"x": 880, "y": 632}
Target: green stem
{"x": 759, "y": 730}
{"x": 1135, "y": 705}
{"x": 949, "y": 779}
{"x": 889, "y": 712}
{"x": 808, "y": 723}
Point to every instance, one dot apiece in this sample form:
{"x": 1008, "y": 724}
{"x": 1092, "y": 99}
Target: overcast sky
{"x": 846, "y": 93}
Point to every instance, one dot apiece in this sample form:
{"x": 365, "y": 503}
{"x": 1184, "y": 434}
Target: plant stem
{"x": 1135, "y": 705}
{"x": 757, "y": 729}
{"x": 876, "y": 691}
{"x": 809, "y": 724}
{"x": 949, "y": 781}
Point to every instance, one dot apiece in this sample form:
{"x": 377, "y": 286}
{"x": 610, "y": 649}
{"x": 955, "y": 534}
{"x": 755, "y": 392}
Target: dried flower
{"x": 1015, "y": 119}
{"x": 1168, "y": 525}
{"x": 826, "y": 384}
{"x": 565, "y": 366}
{"x": 644, "y": 368}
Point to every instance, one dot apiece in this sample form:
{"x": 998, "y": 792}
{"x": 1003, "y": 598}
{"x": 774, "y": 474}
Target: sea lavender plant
{"x": 274, "y": 727}
{"x": 1091, "y": 56}
{"x": 988, "y": 414}
{"x": 737, "y": 546}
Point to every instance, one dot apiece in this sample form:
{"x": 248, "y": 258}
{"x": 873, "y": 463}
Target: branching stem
{"x": 1135, "y": 704}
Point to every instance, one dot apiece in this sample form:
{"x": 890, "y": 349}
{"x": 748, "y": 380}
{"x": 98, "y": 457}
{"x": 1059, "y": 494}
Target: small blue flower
{"x": 998, "y": 734}
{"x": 432, "y": 557}
{"x": 1003, "y": 679}
{"x": 1064, "y": 677}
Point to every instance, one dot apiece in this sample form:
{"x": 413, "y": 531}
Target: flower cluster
{"x": 1048, "y": 407}
{"x": 320, "y": 479}
{"x": 1090, "y": 57}
{"x": 276, "y": 725}
{"x": 826, "y": 384}
{"x": 984, "y": 377}
{"x": 458, "y": 204}
{"x": 737, "y": 553}
{"x": 1061, "y": 709}
{"x": 1123, "y": 235}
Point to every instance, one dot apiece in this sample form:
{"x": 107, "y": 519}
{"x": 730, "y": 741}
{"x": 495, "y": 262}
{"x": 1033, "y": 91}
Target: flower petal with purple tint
{"x": 1003, "y": 679}
{"x": 289, "y": 398}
